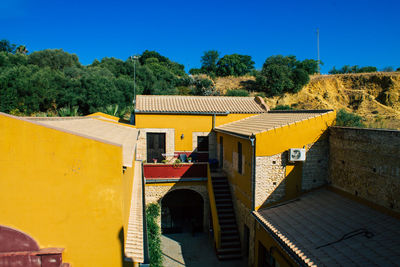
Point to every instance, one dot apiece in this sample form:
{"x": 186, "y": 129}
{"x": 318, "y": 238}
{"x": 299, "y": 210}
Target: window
{"x": 240, "y": 158}
{"x": 202, "y": 143}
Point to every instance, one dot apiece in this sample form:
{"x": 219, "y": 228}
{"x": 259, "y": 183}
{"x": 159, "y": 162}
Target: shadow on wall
{"x": 290, "y": 179}
{"x": 125, "y": 262}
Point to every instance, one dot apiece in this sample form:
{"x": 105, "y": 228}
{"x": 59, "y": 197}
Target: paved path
{"x": 192, "y": 251}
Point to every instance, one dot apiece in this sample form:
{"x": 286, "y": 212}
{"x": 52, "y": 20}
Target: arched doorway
{"x": 182, "y": 211}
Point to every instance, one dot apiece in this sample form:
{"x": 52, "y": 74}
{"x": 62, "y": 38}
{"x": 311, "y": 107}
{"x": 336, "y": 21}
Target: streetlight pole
{"x": 134, "y": 58}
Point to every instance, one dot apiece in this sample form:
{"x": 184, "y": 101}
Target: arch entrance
{"x": 182, "y": 210}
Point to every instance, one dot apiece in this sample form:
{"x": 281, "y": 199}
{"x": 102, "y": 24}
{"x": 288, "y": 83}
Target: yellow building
{"x": 73, "y": 183}
{"x": 261, "y": 179}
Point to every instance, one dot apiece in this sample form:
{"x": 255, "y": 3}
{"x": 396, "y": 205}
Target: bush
{"x": 154, "y": 235}
{"x": 348, "y": 119}
{"x": 282, "y": 107}
{"x": 237, "y": 92}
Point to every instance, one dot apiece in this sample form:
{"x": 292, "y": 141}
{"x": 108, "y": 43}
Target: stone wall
{"x": 270, "y": 178}
{"x": 316, "y": 166}
{"x": 366, "y": 163}
{"x": 271, "y": 172}
{"x": 155, "y": 193}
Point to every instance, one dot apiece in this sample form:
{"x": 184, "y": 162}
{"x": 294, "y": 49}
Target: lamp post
{"x": 134, "y": 58}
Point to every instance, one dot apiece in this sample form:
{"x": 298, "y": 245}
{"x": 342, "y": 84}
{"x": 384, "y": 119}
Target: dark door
{"x": 155, "y": 146}
{"x": 221, "y": 152}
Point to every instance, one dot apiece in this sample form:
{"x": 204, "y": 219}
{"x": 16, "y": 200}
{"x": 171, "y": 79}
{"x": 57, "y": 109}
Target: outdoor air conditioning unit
{"x": 297, "y": 154}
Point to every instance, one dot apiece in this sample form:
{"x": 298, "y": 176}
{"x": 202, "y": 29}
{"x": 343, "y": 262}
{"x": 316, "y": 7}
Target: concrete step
{"x": 229, "y": 232}
{"x": 228, "y": 257}
{"x": 227, "y": 227}
{"x": 230, "y": 244}
{"x": 224, "y": 204}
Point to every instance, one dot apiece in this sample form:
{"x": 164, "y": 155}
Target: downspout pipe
{"x": 252, "y": 139}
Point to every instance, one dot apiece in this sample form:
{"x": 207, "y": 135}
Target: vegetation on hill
{"x": 53, "y": 82}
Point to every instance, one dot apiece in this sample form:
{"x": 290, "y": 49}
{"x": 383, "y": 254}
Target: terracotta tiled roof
{"x": 312, "y": 227}
{"x": 134, "y": 248}
{"x": 267, "y": 121}
{"x": 201, "y": 104}
{"x": 90, "y": 127}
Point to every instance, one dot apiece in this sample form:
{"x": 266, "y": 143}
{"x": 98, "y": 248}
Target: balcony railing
{"x": 161, "y": 172}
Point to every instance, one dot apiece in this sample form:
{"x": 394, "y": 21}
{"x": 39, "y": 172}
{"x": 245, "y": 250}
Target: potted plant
{"x": 154, "y": 160}
{"x": 189, "y": 159}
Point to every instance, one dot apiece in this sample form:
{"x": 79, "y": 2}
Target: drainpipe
{"x": 213, "y": 121}
{"x": 252, "y": 139}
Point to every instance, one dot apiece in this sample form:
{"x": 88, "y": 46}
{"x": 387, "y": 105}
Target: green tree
{"x": 282, "y": 74}
{"x": 209, "y": 61}
{"x": 54, "y": 58}
{"x": 234, "y": 65}
{"x": 6, "y": 46}
{"x": 309, "y": 65}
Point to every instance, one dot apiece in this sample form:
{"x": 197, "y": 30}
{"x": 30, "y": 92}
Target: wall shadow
{"x": 125, "y": 261}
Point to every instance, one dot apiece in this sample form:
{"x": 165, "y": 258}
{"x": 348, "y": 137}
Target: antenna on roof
{"x": 319, "y": 68}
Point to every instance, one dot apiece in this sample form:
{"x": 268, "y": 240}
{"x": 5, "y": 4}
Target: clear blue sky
{"x": 351, "y": 32}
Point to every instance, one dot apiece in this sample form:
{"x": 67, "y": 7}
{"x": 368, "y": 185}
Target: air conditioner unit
{"x": 297, "y": 154}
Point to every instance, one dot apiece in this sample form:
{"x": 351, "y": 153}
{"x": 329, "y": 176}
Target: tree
{"x": 367, "y": 69}
{"x": 309, "y": 65}
{"x": 282, "y": 74}
{"x": 388, "y": 69}
{"x": 235, "y": 65}
{"x": 209, "y": 61}
{"x": 299, "y": 78}
{"x": 6, "y": 46}
{"x": 54, "y": 58}
{"x": 22, "y": 50}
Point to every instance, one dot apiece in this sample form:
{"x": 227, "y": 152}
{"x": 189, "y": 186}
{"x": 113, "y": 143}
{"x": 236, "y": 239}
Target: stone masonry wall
{"x": 366, "y": 163}
{"x": 316, "y": 166}
{"x": 271, "y": 172}
{"x": 155, "y": 193}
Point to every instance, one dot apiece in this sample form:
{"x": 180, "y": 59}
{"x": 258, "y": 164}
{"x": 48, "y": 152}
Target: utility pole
{"x": 319, "y": 68}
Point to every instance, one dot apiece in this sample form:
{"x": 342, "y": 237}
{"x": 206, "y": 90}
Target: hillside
{"x": 374, "y": 96}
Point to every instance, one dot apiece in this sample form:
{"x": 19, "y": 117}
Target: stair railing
{"x": 213, "y": 206}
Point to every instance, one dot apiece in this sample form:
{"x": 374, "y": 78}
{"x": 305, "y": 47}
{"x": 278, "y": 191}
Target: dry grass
{"x": 374, "y": 96}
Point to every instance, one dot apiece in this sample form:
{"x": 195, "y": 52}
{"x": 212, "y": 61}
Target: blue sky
{"x": 351, "y": 32}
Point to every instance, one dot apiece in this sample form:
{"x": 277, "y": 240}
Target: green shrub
{"x": 348, "y": 119}
{"x": 261, "y": 94}
{"x": 237, "y": 92}
{"x": 154, "y": 235}
{"x": 282, "y": 107}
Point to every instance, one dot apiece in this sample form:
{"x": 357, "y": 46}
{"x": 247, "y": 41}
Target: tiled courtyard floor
{"x": 192, "y": 251}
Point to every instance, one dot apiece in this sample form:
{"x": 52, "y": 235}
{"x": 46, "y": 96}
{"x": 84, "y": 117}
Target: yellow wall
{"x": 185, "y": 124}
{"x": 63, "y": 190}
{"x": 293, "y": 136}
{"x": 127, "y": 184}
{"x": 268, "y": 242}
{"x": 241, "y": 181}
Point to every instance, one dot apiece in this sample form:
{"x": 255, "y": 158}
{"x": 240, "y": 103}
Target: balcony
{"x": 160, "y": 172}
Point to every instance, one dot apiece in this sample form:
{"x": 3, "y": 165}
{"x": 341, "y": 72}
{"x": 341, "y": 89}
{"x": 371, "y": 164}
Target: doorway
{"x": 155, "y": 146}
{"x": 182, "y": 211}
